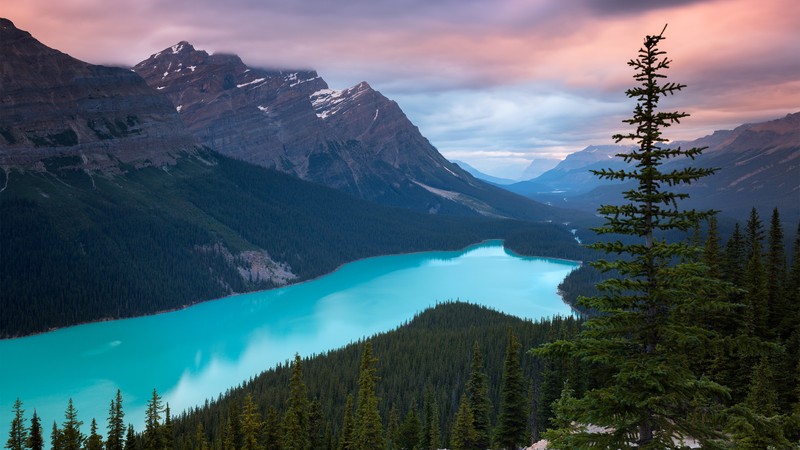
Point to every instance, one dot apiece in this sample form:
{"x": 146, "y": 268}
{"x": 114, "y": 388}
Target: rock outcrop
{"x": 100, "y": 117}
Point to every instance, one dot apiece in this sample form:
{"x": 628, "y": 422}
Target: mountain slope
{"x": 759, "y": 166}
{"x": 55, "y": 105}
{"x": 355, "y": 140}
{"x": 117, "y": 221}
{"x": 483, "y": 176}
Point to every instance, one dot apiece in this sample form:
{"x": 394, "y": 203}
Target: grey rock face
{"x": 54, "y": 105}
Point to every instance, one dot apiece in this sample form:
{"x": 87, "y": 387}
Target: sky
{"x": 494, "y": 83}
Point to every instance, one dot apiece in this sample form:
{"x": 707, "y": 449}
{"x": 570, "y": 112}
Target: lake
{"x": 199, "y": 352}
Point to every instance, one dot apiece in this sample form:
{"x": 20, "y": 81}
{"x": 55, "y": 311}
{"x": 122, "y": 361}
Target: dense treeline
{"x": 420, "y": 393}
{"x": 78, "y": 247}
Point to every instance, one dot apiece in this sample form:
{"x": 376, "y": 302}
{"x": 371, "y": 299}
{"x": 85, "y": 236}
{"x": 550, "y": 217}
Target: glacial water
{"x": 199, "y": 352}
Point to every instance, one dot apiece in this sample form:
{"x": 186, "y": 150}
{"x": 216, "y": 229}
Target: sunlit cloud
{"x": 473, "y": 75}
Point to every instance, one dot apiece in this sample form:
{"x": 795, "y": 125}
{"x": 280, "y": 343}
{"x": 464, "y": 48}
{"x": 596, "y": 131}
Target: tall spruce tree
{"x": 55, "y": 437}
{"x": 347, "y": 440}
{"x": 296, "y": 435}
{"x": 18, "y": 434}
{"x": 116, "y": 424}
{"x": 94, "y": 441}
{"x": 153, "y": 438}
{"x": 130, "y": 438}
{"x": 70, "y": 435}
{"x": 777, "y": 301}
{"x": 35, "y": 435}
{"x": 652, "y": 399}
{"x": 755, "y": 279}
{"x": 512, "y": 421}
{"x": 464, "y": 436}
{"x": 368, "y": 429}
{"x": 477, "y": 392}
{"x": 250, "y": 424}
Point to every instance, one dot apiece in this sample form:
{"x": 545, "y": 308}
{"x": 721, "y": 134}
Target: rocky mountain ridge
{"x": 759, "y": 166}
{"x": 102, "y": 117}
{"x": 355, "y": 139}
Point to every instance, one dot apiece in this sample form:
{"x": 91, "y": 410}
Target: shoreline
{"x": 338, "y": 268}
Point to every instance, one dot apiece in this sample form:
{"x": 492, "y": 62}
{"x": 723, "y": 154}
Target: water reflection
{"x": 199, "y": 352}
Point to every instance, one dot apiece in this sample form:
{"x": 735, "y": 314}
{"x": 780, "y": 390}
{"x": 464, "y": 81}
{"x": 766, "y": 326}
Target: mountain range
{"x": 758, "y": 166}
{"x": 355, "y": 140}
{"x": 117, "y": 201}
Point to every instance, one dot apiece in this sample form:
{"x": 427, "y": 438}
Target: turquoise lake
{"x": 199, "y": 352}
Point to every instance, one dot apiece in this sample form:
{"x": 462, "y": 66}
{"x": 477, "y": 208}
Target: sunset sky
{"x": 495, "y": 83}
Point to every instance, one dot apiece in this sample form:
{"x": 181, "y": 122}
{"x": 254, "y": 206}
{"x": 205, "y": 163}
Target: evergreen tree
{"x": 734, "y": 258}
{"x": 755, "y": 278}
{"x": 316, "y": 430}
{"x": 18, "y": 434}
{"x": 435, "y": 434}
{"x": 652, "y": 397}
{"x": 347, "y": 441}
{"x": 368, "y": 427}
{"x": 464, "y": 435}
{"x": 130, "y": 438}
{"x": 55, "y": 438}
{"x": 777, "y": 303}
{"x": 512, "y": 427}
{"x": 296, "y": 435}
{"x": 35, "y": 436}
{"x": 116, "y": 424}
{"x": 272, "y": 430}
{"x": 70, "y": 435}
{"x": 167, "y": 431}
{"x": 153, "y": 438}
{"x": 410, "y": 432}
{"x": 200, "y": 441}
{"x": 477, "y": 391}
{"x": 229, "y": 441}
{"x": 392, "y": 429}
{"x": 250, "y": 424}
{"x": 94, "y": 441}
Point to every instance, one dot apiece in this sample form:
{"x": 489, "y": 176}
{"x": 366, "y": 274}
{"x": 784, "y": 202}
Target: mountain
{"x": 572, "y": 176}
{"x": 110, "y": 208}
{"x": 483, "y": 176}
{"x": 759, "y": 166}
{"x": 355, "y": 140}
{"x": 537, "y": 167}
{"x": 106, "y": 117}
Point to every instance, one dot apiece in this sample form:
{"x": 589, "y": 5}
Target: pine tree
{"x": 167, "y": 431}
{"x": 55, "y": 438}
{"x": 94, "y": 441}
{"x": 434, "y": 433}
{"x": 18, "y": 434}
{"x": 316, "y": 430}
{"x": 70, "y": 435}
{"x": 755, "y": 279}
{"x": 35, "y": 435}
{"x": 347, "y": 440}
{"x": 272, "y": 430}
{"x": 229, "y": 440}
{"x": 368, "y": 428}
{"x": 512, "y": 426}
{"x": 464, "y": 435}
{"x": 393, "y": 429}
{"x": 200, "y": 442}
{"x": 777, "y": 303}
{"x": 477, "y": 390}
{"x": 296, "y": 419}
{"x": 153, "y": 439}
{"x": 250, "y": 424}
{"x": 116, "y": 424}
{"x": 653, "y": 394}
{"x": 410, "y": 431}
{"x": 130, "y": 438}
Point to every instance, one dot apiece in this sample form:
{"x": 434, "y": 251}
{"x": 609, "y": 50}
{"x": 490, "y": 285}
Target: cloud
{"x": 511, "y": 75}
